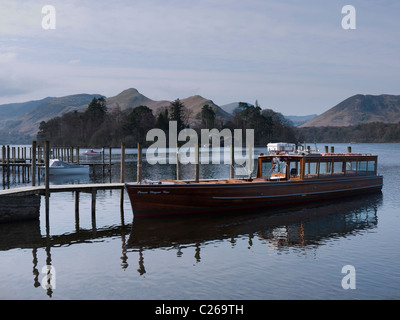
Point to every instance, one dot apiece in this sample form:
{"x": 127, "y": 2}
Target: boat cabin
{"x": 288, "y": 162}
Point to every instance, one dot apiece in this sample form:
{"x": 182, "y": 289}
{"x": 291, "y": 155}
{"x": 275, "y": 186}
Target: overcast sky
{"x": 292, "y": 56}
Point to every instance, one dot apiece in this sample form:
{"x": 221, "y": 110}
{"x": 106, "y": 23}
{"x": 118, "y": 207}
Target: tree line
{"x": 99, "y": 126}
{"x": 374, "y": 132}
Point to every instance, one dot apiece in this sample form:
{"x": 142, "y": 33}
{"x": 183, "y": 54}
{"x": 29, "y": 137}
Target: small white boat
{"x": 58, "y": 167}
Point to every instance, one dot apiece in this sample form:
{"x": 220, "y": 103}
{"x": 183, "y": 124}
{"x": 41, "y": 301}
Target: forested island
{"x": 98, "y": 126}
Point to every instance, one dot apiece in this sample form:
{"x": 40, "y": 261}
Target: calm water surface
{"x": 295, "y": 253}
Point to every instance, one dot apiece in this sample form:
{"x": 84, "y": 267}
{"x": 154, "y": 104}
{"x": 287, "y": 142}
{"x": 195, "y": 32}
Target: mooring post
{"x": 94, "y": 192}
{"x": 232, "y": 166}
{"x": 250, "y": 160}
{"x": 3, "y": 160}
{"x": 196, "y": 162}
{"x": 47, "y": 170}
{"x": 33, "y": 163}
{"x": 77, "y": 210}
{"x": 122, "y": 177}
{"x": 102, "y": 162}
{"x": 139, "y": 163}
{"x": 8, "y": 165}
{"x": 109, "y": 164}
{"x": 47, "y": 184}
{"x": 178, "y": 174}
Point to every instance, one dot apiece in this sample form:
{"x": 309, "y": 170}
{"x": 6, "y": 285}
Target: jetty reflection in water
{"x": 310, "y": 225}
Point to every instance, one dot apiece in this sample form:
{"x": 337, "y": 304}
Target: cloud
{"x": 285, "y": 54}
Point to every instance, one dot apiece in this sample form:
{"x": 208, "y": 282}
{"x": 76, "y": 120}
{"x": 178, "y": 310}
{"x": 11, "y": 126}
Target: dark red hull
{"x": 150, "y": 200}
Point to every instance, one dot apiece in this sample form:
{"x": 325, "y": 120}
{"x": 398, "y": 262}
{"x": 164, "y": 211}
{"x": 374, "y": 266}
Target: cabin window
{"x": 278, "y": 170}
{"x": 362, "y": 167}
{"x": 311, "y": 170}
{"x": 371, "y": 168}
{"x": 338, "y": 168}
{"x": 294, "y": 169}
{"x": 351, "y": 168}
{"x": 266, "y": 169}
{"x": 325, "y": 168}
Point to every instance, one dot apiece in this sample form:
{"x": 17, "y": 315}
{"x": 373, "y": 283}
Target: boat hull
{"x": 151, "y": 200}
{"x": 69, "y": 171}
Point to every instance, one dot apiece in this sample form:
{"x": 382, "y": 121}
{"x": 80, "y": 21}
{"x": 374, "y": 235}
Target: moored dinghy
{"x": 58, "y": 167}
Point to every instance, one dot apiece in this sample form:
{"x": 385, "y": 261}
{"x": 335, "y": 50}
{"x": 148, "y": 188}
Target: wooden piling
{"x": 232, "y": 166}
{"x": 109, "y": 164}
{"x": 94, "y": 192}
{"x": 47, "y": 169}
{"x": 122, "y": 178}
{"x": 250, "y": 160}
{"x": 178, "y": 174}
{"x": 3, "y": 160}
{"x": 33, "y": 163}
{"x": 196, "y": 162}
{"x": 8, "y": 165}
{"x": 102, "y": 162}
{"x": 139, "y": 163}
{"x": 77, "y": 210}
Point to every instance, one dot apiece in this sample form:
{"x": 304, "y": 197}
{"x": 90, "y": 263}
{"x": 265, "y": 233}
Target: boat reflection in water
{"x": 310, "y": 225}
{"x": 304, "y": 226}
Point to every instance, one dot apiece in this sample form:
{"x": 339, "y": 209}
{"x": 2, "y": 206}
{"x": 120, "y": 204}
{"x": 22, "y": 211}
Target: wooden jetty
{"x": 28, "y": 192}
{"x": 22, "y": 193}
{"x": 16, "y": 163}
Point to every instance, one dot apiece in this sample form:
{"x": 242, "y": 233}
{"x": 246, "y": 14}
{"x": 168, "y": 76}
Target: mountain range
{"x": 359, "y": 109}
{"x": 20, "y": 121}
{"x": 23, "y": 119}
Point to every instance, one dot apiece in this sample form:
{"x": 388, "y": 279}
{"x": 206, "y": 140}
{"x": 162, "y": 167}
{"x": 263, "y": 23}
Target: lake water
{"x": 295, "y": 253}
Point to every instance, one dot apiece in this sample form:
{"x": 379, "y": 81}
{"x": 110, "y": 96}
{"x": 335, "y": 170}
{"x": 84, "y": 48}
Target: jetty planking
{"x": 41, "y": 190}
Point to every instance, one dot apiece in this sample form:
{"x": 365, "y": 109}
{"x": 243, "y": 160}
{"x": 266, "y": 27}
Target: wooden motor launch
{"x": 287, "y": 175}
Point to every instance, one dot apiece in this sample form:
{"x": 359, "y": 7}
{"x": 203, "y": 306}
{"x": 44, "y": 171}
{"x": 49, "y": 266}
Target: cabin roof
{"x": 321, "y": 156}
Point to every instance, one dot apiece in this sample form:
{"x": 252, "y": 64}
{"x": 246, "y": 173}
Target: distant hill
{"x": 231, "y": 107}
{"x": 299, "y": 120}
{"x": 48, "y": 108}
{"x": 360, "y": 109}
{"x": 13, "y": 111}
{"x": 196, "y": 103}
{"x": 131, "y": 98}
